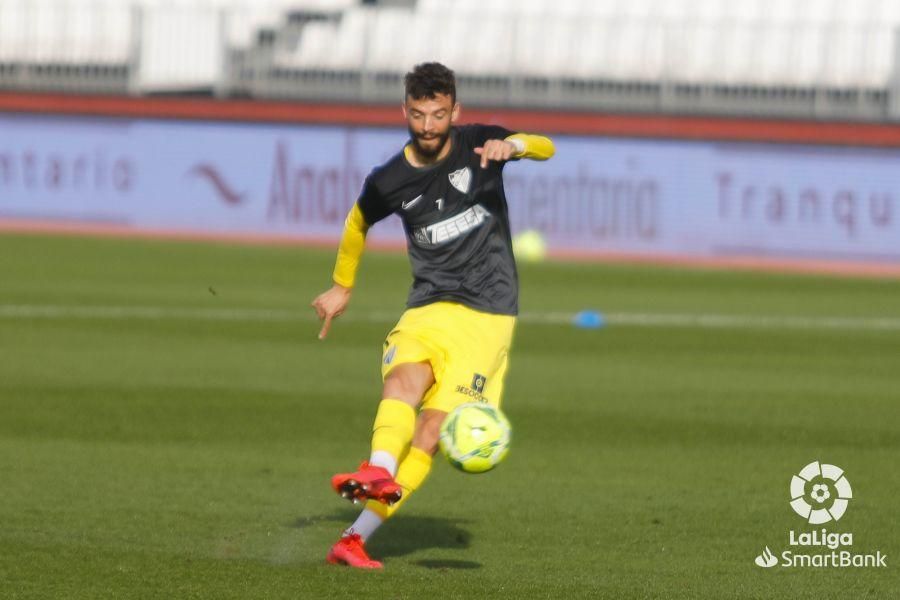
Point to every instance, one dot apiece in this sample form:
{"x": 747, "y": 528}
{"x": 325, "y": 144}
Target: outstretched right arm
{"x": 332, "y": 303}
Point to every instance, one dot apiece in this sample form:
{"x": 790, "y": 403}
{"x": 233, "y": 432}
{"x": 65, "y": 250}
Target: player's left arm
{"x": 517, "y": 145}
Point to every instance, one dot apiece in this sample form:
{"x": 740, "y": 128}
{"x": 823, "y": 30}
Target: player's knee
{"x": 409, "y": 382}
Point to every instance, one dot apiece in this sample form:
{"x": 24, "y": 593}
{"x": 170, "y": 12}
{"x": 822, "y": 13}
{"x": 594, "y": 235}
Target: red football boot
{"x": 351, "y": 551}
{"x": 368, "y": 483}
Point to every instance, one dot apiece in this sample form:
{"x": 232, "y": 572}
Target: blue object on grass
{"x": 589, "y": 319}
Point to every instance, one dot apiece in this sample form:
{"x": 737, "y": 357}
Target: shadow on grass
{"x": 404, "y": 535}
{"x": 346, "y": 515}
{"x": 446, "y": 564}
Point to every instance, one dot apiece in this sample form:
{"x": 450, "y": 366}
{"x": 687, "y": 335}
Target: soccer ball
{"x": 529, "y": 246}
{"x": 475, "y": 437}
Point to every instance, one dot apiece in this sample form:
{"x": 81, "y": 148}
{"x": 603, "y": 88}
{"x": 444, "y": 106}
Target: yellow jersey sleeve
{"x": 535, "y": 147}
{"x": 353, "y": 241}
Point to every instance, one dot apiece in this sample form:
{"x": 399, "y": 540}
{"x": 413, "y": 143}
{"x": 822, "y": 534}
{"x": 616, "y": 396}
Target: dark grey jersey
{"x": 456, "y": 222}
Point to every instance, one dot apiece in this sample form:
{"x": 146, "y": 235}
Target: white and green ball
{"x": 475, "y": 437}
{"x": 530, "y": 246}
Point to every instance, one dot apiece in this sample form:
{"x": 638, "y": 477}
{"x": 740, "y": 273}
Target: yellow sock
{"x": 411, "y": 474}
{"x": 393, "y": 429}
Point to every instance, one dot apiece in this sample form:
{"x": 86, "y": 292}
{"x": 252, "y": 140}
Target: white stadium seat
{"x": 13, "y": 21}
{"x": 805, "y": 65}
{"x": 421, "y": 43}
{"x": 745, "y": 12}
{"x": 635, "y": 50}
{"x": 385, "y": 46}
{"x": 853, "y": 13}
{"x": 673, "y": 10}
{"x": 83, "y": 35}
{"x": 844, "y": 56}
{"x": 243, "y": 23}
{"x": 708, "y": 11}
{"x": 878, "y": 63}
{"x": 740, "y": 42}
{"x": 348, "y": 48}
{"x": 316, "y": 42}
{"x": 602, "y": 9}
{"x": 533, "y": 8}
{"x": 592, "y": 58}
{"x": 119, "y": 31}
{"x": 780, "y": 50}
{"x": 813, "y": 11}
{"x": 696, "y": 54}
{"x": 46, "y": 31}
{"x": 887, "y": 13}
{"x": 177, "y": 44}
{"x": 534, "y": 53}
{"x": 638, "y": 9}
{"x": 777, "y": 12}
{"x": 480, "y": 56}
{"x": 180, "y": 48}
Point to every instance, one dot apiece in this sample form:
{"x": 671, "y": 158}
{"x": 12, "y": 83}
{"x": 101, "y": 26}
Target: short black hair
{"x": 427, "y": 80}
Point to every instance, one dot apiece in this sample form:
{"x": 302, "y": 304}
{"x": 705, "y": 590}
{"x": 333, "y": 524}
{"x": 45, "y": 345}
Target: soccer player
{"x": 451, "y": 344}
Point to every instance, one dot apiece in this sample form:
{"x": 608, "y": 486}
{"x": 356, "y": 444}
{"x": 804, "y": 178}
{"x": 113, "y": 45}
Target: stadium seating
{"x": 807, "y": 57}
{"x": 47, "y": 44}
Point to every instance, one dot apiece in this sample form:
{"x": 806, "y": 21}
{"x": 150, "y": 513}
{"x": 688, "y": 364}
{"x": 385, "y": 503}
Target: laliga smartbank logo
{"x": 820, "y": 493}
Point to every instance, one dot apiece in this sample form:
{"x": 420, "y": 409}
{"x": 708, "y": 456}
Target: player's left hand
{"x": 495, "y": 150}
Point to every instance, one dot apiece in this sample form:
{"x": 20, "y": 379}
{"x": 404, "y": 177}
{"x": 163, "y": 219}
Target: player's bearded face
{"x": 429, "y": 121}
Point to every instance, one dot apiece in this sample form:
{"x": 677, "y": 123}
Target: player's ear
{"x": 403, "y": 109}
{"x": 454, "y": 113}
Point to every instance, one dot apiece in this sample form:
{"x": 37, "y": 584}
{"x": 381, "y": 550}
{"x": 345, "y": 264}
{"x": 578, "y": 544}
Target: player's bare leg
{"x": 408, "y": 382}
{"x": 428, "y": 430}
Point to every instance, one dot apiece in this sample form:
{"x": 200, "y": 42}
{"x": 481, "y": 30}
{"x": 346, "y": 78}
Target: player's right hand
{"x": 330, "y": 305}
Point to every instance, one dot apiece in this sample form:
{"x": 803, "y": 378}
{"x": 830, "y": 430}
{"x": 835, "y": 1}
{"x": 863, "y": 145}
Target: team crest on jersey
{"x": 461, "y": 179}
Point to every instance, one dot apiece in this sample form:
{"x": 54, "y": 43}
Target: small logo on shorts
{"x": 478, "y": 382}
{"x": 389, "y": 355}
{"x": 476, "y": 390}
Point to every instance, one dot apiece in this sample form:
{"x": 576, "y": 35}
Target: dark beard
{"x": 425, "y": 153}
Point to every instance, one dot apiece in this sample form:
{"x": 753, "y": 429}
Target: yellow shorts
{"x": 468, "y": 351}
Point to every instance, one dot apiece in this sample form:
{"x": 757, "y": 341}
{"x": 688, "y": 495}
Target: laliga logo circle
{"x": 820, "y": 493}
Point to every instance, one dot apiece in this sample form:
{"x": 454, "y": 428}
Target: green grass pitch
{"x": 169, "y": 423}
